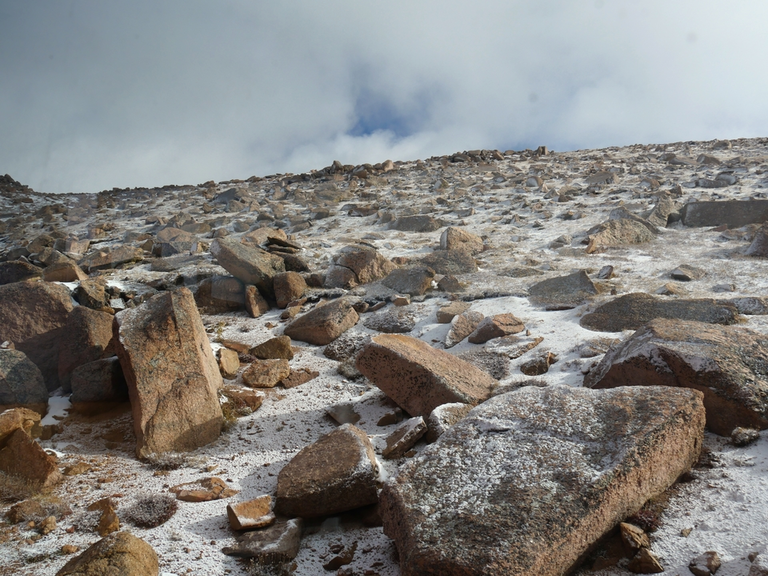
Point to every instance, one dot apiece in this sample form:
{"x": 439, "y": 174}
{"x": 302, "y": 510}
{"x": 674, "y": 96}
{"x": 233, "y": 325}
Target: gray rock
{"x": 759, "y": 246}
{"x": 391, "y": 321}
{"x": 450, "y": 262}
{"x": 276, "y": 544}
{"x": 99, "y": 381}
{"x": 404, "y": 438}
{"x": 220, "y": 294}
{"x": 413, "y": 281}
{"x": 618, "y": 232}
{"x": 687, "y": 273}
{"x": 444, "y": 417}
{"x": 563, "y": 292}
{"x": 416, "y": 224}
{"x": 731, "y": 213}
{"x": 21, "y": 383}
{"x": 249, "y": 264}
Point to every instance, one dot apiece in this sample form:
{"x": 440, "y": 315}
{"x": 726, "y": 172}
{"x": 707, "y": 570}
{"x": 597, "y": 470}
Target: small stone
{"x": 744, "y": 436}
{"x": 645, "y": 562}
{"x": 462, "y": 326}
{"x": 538, "y": 366}
{"x": 343, "y": 413}
{"x": 686, "y": 273}
{"x": 401, "y": 300}
{"x": 342, "y": 558}
{"x": 252, "y": 514}
{"x": 299, "y": 377}
{"x": 404, "y": 438}
{"x": 69, "y": 549}
{"x": 255, "y": 303}
{"x": 229, "y": 363}
{"x": 706, "y": 564}
{"x": 448, "y": 312}
{"x": 47, "y": 526}
{"x": 633, "y": 538}
{"x": 496, "y": 326}
{"x": 276, "y": 544}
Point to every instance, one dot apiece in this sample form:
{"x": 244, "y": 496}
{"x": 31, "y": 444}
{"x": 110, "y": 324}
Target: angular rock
{"x": 288, "y": 286}
{"x": 220, "y": 294}
{"x": 276, "y": 544}
{"x": 89, "y": 338}
{"x": 205, "y": 490}
{"x": 449, "y": 284}
{"x": 563, "y": 292}
{"x": 392, "y": 321}
{"x": 443, "y": 417}
{"x": 417, "y": 377}
{"x": 731, "y": 213}
{"x": 462, "y": 326}
{"x": 323, "y": 324}
{"x": 459, "y": 239}
{"x": 726, "y": 364}
{"x": 335, "y": 474}
{"x": 413, "y": 281}
{"x": 660, "y": 215}
{"x": 496, "y": 326}
{"x": 99, "y": 381}
{"x": 645, "y": 562}
{"x": 92, "y": 293}
{"x": 618, "y": 233}
{"x": 450, "y": 262}
{"x": 633, "y": 538}
{"x": 255, "y": 303}
{"x": 64, "y": 272}
{"x": 417, "y": 223}
{"x": 539, "y": 365}
{"x": 266, "y": 373}
{"x": 229, "y": 363}
{"x": 33, "y": 316}
{"x": 759, "y": 566}
{"x": 172, "y": 374}
{"x": 17, "y": 419}
{"x": 759, "y": 246}
{"x": 23, "y": 457}
{"x": 687, "y": 273}
{"x": 404, "y": 438}
{"x": 631, "y": 311}
{"x": 119, "y": 554}
{"x": 705, "y": 564}
{"x": 357, "y": 264}
{"x": 111, "y": 258}
{"x": 249, "y": 264}
{"x": 299, "y": 377}
{"x": 251, "y": 514}
{"x": 21, "y": 383}
{"x": 448, "y": 312}
{"x": 17, "y": 271}
{"x": 526, "y": 484}
{"x": 274, "y": 348}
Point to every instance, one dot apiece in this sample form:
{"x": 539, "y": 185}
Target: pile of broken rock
{"x": 153, "y": 338}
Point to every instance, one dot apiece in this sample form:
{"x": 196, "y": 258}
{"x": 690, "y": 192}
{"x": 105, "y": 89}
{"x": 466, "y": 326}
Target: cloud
{"x": 96, "y": 95}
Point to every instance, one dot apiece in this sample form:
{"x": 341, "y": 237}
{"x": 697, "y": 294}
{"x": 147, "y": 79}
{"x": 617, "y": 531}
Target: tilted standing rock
{"x": 172, "y": 374}
{"x": 528, "y": 481}
{"x": 727, "y": 364}
{"x": 250, "y": 265}
{"x": 418, "y": 377}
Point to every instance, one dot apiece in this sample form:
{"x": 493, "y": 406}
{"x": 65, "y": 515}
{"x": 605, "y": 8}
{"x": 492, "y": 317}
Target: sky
{"x": 96, "y": 94}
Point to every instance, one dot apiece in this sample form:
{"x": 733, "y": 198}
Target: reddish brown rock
{"x": 335, "y": 474}
{"x": 413, "y": 281}
{"x": 404, "y": 438}
{"x": 299, "y": 377}
{"x": 111, "y": 258}
{"x": 459, "y": 239}
{"x": 496, "y": 326}
{"x": 448, "y": 312}
{"x": 726, "y": 364}
{"x": 355, "y": 265}
{"x": 220, "y": 294}
{"x": 17, "y": 271}
{"x": 23, "y": 457}
{"x": 89, "y": 338}
{"x": 323, "y": 324}
{"x": 172, "y": 375}
{"x": 255, "y": 303}
{"x": 526, "y": 484}
{"x": 92, "y": 293}
{"x": 229, "y": 363}
{"x": 33, "y": 316}
{"x": 21, "y": 383}
{"x": 288, "y": 286}
{"x": 462, "y": 326}
{"x": 119, "y": 554}
{"x": 278, "y": 347}
{"x": 251, "y": 514}
{"x": 64, "y": 272}
{"x": 265, "y": 373}
{"x": 249, "y": 264}
{"x": 17, "y": 419}
{"x": 418, "y": 377}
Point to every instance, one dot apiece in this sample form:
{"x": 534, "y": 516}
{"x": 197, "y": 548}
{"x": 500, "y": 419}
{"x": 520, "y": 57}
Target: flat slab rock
{"x": 563, "y": 292}
{"x": 727, "y": 364}
{"x": 323, "y": 324}
{"x": 732, "y": 213}
{"x": 420, "y": 378}
{"x": 631, "y": 311}
{"x": 528, "y": 481}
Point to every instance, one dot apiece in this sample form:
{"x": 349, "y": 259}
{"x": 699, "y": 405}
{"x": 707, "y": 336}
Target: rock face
{"x": 251, "y": 265}
{"x": 563, "y": 292}
{"x": 418, "y": 377}
{"x": 732, "y": 213}
{"x": 99, "y": 381}
{"x": 172, "y": 374}
{"x": 323, "y": 324}
{"x": 119, "y": 554}
{"x": 21, "y": 383}
{"x": 33, "y": 316}
{"x": 526, "y": 483}
{"x": 726, "y": 364}
{"x": 335, "y": 474}
{"x": 89, "y": 338}
{"x": 631, "y": 311}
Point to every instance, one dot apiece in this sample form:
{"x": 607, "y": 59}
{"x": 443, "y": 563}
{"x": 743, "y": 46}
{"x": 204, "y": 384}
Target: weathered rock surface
{"x": 172, "y": 374}
{"x": 64, "y": 272}
{"x": 335, "y": 474}
{"x": 404, "y": 438}
{"x": 92, "y": 293}
{"x": 391, "y": 321}
{"x": 416, "y": 224}
{"x": 21, "y": 383}
{"x": 251, "y": 265}
{"x": 496, "y": 326}
{"x": 413, "y": 281}
{"x": 631, "y": 311}
{"x": 99, "y": 381}
{"x": 618, "y": 232}
{"x": 459, "y": 239}
{"x": 23, "y": 457}
{"x": 277, "y": 347}
{"x": 288, "y": 286}
{"x": 563, "y": 292}
{"x": 443, "y": 417}
{"x": 418, "y": 377}
{"x": 462, "y": 326}
{"x": 119, "y": 554}
{"x": 251, "y": 514}
{"x": 111, "y": 258}
{"x": 220, "y": 294}
{"x": 526, "y": 483}
{"x": 727, "y": 364}
{"x": 357, "y": 264}
{"x": 33, "y": 316}
{"x": 323, "y": 324}
{"x": 759, "y": 246}
{"x": 448, "y": 312}
{"x": 17, "y": 271}
{"x": 450, "y": 262}
{"x": 17, "y": 419}
{"x": 731, "y": 213}
{"x": 266, "y": 373}
{"x": 276, "y": 544}
{"x": 89, "y": 338}
{"x": 255, "y": 303}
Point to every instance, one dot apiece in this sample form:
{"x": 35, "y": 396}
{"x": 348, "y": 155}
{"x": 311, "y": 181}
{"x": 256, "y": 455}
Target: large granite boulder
{"x": 247, "y": 263}
{"x": 119, "y": 554}
{"x": 323, "y": 324}
{"x": 335, "y": 474}
{"x": 726, "y": 364}
{"x": 21, "y": 383}
{"x": 418, "y": 377}
{"x": 631, "y": 311}
{"x": 530, "y": 480}
{"x": 172, "y": 375}
{"x": 33, "y": 316}
{"x": 89, "y": 338}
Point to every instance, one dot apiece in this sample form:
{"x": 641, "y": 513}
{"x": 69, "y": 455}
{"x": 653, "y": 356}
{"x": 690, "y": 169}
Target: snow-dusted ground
{"x": 726, "y": 506}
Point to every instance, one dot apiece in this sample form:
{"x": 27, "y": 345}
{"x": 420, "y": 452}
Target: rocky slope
{"x": 278, "y": 375}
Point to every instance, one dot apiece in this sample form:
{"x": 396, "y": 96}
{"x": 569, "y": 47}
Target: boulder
{"x": 249, "y": 264}
{"x": 619, "y": 232}
{"x": 631, "y": 311}
{"x": 413, "y": 281}
{"x": 391, "y": 321}
{"x": 496, "y": 326}
{"x": 527, "y": 484}
{"x": 64, "y": 272}
{"x": 220, "y": 294}
{"x": 336, "y": 473}
{"x": 255, "y": 303}
{"x": 660, "y": 215}
{"x": 21, "y": 383}
{"x": 33, "y": 316}
{"x": 357, "y": 264}
{"x": 450, "y": 262}
{"x": 92, "y": 293}
{"x": 730, "y": 213}
{"x": 324, "y": 323}
{"x": 89, "y": 338}
{"x": 276, "y": 544}
{"x": 418, "y": 223}
{"x": 277, "y": 347}
{"x": 462, "y": 326}
{"x": 172, "y": 374}
{"x": 563, "y": 292}
{"x": 727, "y": 364}
{"x": 119, "y": 554}
{"x": 17, "y": 419}
{"x": 418, "y": 377}
{"x": 448, "y": 312}
{"x": 17, "y": 271}
{"x": 111, "y": 258}
{"x": 443, "y": 417}
{"x": 288, "y": 286}
{"x": 22, "y": 457}
{"x": 459, "y": 239}
{"x": 251, "y": 514}
{"x": 266, "y": 373}
{"x": 99, "y": 381}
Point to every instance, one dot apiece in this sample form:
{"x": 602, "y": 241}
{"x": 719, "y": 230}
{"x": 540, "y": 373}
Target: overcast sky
{"x": 96, "y": 94}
